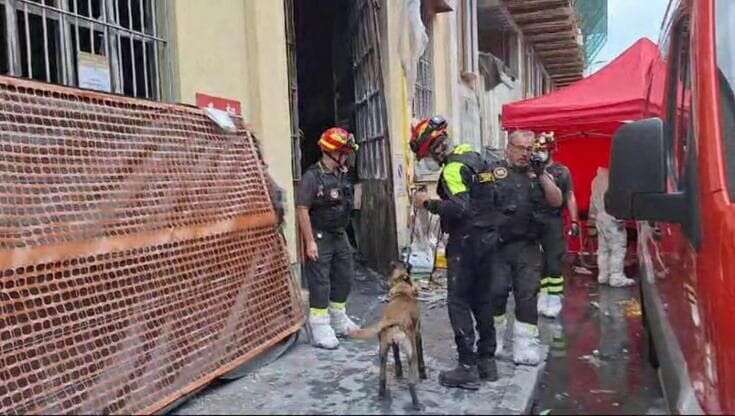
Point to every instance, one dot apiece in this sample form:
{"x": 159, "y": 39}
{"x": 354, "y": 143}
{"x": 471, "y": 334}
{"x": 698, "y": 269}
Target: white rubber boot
{"x": 501, "y": 327}
{"x": 542, "y": 303}
{"x": 620, "y": 280}
{"x": 341, "y": 323}
{"x": 526, "y": 346}
{"x": 322, "y": 334}
{"x": 553, "y": 306}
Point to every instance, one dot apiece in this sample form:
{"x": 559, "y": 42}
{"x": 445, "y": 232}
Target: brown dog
{"x": 399, "y": 328}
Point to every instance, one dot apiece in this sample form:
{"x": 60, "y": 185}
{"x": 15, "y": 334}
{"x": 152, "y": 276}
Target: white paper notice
{"x": 94, "y": 72}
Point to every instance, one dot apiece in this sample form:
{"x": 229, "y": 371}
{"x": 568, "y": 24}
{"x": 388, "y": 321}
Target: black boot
{"x": 463, "y": 377}
{"x": 487, "y": 369}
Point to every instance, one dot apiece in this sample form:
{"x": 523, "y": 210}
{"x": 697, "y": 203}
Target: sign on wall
{"x": 233, "y": 107}
{"x": 94, "y": 72}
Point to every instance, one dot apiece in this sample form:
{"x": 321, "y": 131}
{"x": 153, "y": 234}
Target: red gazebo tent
{"x": 586, "y": 114}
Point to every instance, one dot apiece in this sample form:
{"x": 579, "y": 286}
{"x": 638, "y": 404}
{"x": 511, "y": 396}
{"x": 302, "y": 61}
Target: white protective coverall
{"x": 611, "y": 236}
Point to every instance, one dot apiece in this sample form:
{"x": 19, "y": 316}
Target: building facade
{"x": 292, "y": 68}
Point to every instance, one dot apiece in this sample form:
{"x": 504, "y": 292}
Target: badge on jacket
{"x": 500, "y": 172}
{"x": 485, "y": 177}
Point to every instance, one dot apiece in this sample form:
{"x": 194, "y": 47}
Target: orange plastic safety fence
{"x": 138, "y": 253}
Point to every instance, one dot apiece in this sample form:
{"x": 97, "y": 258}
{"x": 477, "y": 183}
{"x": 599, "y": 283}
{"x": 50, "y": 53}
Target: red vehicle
{"x": 676, "y": 176}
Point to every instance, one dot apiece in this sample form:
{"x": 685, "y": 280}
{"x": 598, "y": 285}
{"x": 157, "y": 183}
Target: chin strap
{"x": 341, "y": 166}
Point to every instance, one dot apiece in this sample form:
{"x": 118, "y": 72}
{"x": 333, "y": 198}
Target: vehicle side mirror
{"x": 637, "y": 186}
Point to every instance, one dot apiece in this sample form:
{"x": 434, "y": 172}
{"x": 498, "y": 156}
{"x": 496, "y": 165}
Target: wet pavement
{"x": 598, "y": 358}
{"x": 306, "y": 380}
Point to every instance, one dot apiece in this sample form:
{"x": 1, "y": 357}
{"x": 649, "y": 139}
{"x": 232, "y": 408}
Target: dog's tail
{"x": 372, "y": 330}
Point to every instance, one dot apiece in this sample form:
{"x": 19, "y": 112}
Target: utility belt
{"x": 486, "y": 240}
{"x": 319, "y": 233}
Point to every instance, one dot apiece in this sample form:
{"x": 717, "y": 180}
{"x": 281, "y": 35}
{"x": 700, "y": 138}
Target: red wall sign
{"x": 231, "y": 106}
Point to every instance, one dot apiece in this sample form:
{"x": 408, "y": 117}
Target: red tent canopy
{"x": 617, "y": 93}
{"x": 586, "y": 114}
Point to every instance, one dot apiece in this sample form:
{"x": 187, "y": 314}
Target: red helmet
{"x": 426, "y": 134}
{"x": 545, "y": 141}
{"x": 337, "y": 140}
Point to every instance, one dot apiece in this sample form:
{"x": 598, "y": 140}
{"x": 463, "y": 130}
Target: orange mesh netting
{"x": 139, "y": 252}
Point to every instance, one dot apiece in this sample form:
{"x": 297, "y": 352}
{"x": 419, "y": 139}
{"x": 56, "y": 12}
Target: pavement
{"x": 306, "y": 380}
{"x": 599, "y": 364}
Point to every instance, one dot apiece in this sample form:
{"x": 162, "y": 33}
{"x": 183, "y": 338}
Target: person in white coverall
{"x": 611, "y": 236}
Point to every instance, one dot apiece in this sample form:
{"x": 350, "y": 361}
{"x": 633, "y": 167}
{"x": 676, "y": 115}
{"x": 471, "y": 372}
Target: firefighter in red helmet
{"x": 553, "y": 239}
{"x": 324, "y": 202}
{"x": 469, "y": 292}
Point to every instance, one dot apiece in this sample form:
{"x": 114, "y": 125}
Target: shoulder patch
{"x": 485, "y": 177}
{"x": 500, "y": 172}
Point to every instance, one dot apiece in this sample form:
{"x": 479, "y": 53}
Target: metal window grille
{"x": 370, "y": 111}
{"x": 293, "y": 90}
{"x": 423, "y": 101}
{"x": 98, "y": 44}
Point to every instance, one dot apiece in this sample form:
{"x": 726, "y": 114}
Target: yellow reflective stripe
{"x": 555, "y": 290}
{"x": 338, "y": 306}
{"x": 462, "y": 149}
{"x": 555, "y": 280}
{"x": 453, "y": 177}
{"x": 318, "y": 312}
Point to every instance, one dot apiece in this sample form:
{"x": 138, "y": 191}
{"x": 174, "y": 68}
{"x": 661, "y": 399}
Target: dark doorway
{"x": 336, "y": 80}
{"x": 324, "y": 69}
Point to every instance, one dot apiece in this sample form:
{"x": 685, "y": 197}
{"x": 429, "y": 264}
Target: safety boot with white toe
{"x": 526, "y": 347}
{"x": 553, "y": 306}
{"x": 341, "y": 323}
{"x": 620, "y": 280}
{"x": 322, "y": 334}
{"x": 542, "y": 303}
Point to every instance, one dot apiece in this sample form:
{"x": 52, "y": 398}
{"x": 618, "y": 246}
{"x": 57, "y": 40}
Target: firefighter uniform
{"x": 505, "y": 206}
{"x": 469, "y": 292}
{"x": 328, "y": 195}
{"x": 553, "y": 241}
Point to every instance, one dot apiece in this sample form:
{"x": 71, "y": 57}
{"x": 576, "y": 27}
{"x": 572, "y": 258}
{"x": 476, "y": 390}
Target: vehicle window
{"x": 679, "y": 108}
{"x": 725, "y": 13}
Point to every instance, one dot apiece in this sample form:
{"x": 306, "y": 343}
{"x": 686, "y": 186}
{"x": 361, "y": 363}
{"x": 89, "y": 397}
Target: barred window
{"x": 106, "y": 45}
{"x": 423, "y": 102}
{"x": 370, "y": 109}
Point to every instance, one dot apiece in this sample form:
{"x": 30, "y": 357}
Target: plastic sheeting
{"x": 412, "y": 41}
{"x": 140, "y": 257}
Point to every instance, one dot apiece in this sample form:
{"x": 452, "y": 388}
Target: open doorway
{"x": 336, "y": 80}
{"x": 324, "y": 71}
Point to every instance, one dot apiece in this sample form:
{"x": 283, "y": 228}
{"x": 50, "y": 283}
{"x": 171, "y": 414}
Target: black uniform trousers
{"x": 330, "y": 277}
{"x": 468, "y": 297}
{"x": 517, "y": 267}
{"x": 554, "y": 245}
